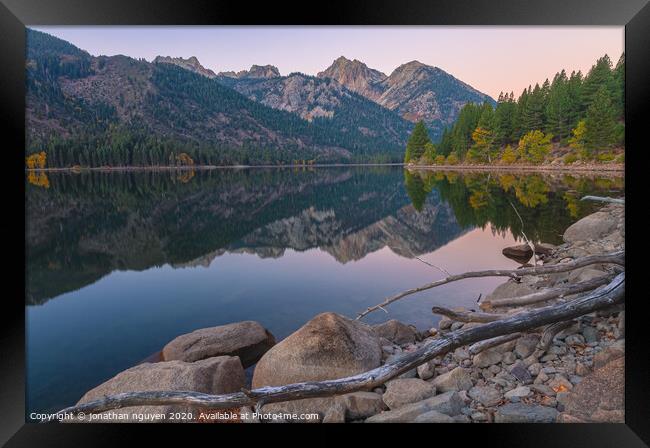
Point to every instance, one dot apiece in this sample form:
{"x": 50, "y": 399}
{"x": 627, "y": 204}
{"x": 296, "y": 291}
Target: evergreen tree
{"x": 600, "y": 122}
{"x": 600, "y": 75}
{"x": 415, "y": 146}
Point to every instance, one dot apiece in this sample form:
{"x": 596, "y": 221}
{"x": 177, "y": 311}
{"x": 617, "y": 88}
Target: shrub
{"x": 534, "y": 146}
{"x": 606, "y": 156}
{"x": 452, "y": 159}
{"x": 439, "y": 160}
{"x": 570, "y": 158}
{"x": 509, "y": 155}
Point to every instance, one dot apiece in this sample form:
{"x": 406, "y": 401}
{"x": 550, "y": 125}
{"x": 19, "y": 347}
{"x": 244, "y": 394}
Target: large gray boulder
{"x": 218, "y": 375}
{"x": 407, "y": 390}
{"x": 510, "y": 289}
{"x": 327, "y": 347}
{"x": 525, "y": 413}
{"x": 397, "y": 332}
{"x": 455, "y": 380}
{"x": 337, "y": 409}
{"x": 248, "y": 340}
{"x": 449, "y": 403}
{"x": 591, "y": 227}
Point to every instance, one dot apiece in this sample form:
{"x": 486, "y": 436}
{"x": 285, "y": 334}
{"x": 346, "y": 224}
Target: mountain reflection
{"x": 81, "y": 227}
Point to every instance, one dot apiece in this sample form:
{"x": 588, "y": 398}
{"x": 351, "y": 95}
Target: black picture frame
{"x": 16, "y": 14}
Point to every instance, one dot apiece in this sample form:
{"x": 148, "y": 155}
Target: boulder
{"x": 361, "y": 405}
{"x": 336, "y": 409}
{"x": 521, "y": 253}
{"x": 521, "y": 372}
{"x": 455, "y": 380}
{"x": 426, "y": 370}
{"x": 591, "y": 227}
{"x": 448, "y": 403}
{"x": 521, "y": 391}
{"x": 585, "y": 274}
{"x": 510, "y": 289}
{"x": 487, "y": 358}
{"x": 396, "y": 332}
{"x": 327, "y": 347}
{"x": 486, "y": 395}
{"x": 599, "y": 397}
{"x": 248, "y": 340}
{"x": 525, "y": 413}
{"x": 433, "y": 417}
{"x": 526, "y": 345}
{"x": 613, "y": 351}
{"x": 408, "y": 390}
{"x": 544, "y": 248}
{"x": 218, "y": 375}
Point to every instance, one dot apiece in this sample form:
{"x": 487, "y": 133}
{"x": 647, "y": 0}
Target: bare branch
{"x": 547, "y": 294}
{"x": 550, "y": 332}
{"x": 478, "y": 347}
{"x": 615, "y": 258}
{"x": 467, "y": 316}
{"x": 444, "y": 271}
{"x": 613, "y": 294}
{"x": 603, "y": 199}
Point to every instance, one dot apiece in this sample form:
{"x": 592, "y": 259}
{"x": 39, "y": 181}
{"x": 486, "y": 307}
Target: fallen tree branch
{"x": 614, "y": 293}
{"x": 614, "y": 258}
{"x": 603, "y": 199}
{"x": 467, "y": 316}
{"x": 478, "y": 347}
{"x": 547, "y": 294}
{"x": 550, "y": 332}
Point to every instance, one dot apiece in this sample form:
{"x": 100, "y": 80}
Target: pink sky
{"x": 491, "y": 59}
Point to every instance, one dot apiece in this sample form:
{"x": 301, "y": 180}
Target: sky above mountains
{"x": 491, "y": 59}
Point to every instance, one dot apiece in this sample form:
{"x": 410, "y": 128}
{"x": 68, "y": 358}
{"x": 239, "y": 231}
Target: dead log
{"x": 613, "y": 258}
{"x": 603, "y": 199}
{"x": 547, "y": 294}
{"x": 467, "y": 316}
{"x": 478, "y": 347}
{"x": 550, "y": 332}
{"x": 613, "y": 294}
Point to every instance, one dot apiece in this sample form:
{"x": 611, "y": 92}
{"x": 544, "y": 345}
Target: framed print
{"x": 404, "y": 212}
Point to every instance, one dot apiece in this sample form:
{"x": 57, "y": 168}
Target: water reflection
{"x": 130, "y": 260}
{"x": 81, "y": 227}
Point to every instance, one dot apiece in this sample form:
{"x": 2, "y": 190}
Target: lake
{"x": 120, "y": 263}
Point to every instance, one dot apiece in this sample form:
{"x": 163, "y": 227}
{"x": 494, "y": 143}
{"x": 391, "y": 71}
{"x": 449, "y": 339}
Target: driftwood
{"x": 603, "y": 199}
{"x": 550, "y": 332}
{"x": 467, "y": 316}
{"x": 613, "y": 258}
{"x": 478, "y": 347}
{"x": 547, "y": 294}
{"x": 613, "y": 294}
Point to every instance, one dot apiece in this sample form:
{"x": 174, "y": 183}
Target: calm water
{"x": 121, "y": 263}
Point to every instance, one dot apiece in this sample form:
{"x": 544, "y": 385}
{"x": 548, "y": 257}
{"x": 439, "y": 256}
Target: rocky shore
{"x": 576, "y": 376}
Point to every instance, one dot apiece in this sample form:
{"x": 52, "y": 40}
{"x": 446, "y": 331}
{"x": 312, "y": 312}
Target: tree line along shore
{"x": 572, "y": 120}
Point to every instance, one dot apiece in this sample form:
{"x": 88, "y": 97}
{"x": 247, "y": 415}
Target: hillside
{"x": 96, "y": 111}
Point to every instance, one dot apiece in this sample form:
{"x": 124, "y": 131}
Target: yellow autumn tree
{"x": 36, "y": 160}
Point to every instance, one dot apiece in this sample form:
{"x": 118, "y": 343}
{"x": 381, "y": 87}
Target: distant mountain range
{"x": 117, "y": 110}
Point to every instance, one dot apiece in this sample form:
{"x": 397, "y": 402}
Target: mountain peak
{"x": 263, "y": 71}
{"x": 192, "y": 64}
{"x": 256, "y": 71}
{"x": 355, "y": 75}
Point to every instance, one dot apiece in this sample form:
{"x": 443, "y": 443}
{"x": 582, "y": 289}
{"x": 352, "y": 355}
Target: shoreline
{"x": 604, "y": 168}
{"x": 595, "y": 168}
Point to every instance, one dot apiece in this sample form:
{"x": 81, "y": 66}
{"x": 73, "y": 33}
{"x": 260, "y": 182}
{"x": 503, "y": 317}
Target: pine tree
{"x": 600, "y": 122}
{"x": 600, "y": 75}
{"x": 416, "y": 143}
